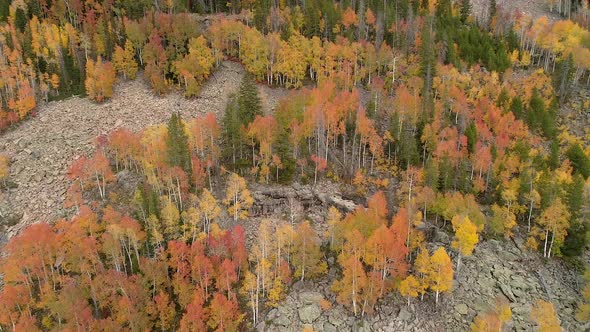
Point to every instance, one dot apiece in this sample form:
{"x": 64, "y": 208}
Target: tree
{"x": 4, "y": 167}
{"x": 194, "y": 67}
{"x": 553, "y": 223}
{"x": 583, "y": 312}
{"x": 466, "y": 237}
{"x": 124, "y": 60}
{"x": 493, "y": 320}
{"x": 544, "y": 315}
{"x": 423, "y": 271}
{"x": 580, "y": 161}
{"x": 97, "y": 170}
{"x": 100, "y": 77}
{"x": 464, "y": 10}
{"x": 349, "y": 288}
{"x": 171, "y": 219}
{"x": 249, "y": 104}
{"x": 307, "y": 257}
{"x": 224, "y": 314}
{"x": 441, "y": 276}
{"x": 409, "y": 287}
{"x": 502, "y": 221}
{"x": 209, "y": 208}
{"x": 194, "y": 317}
{"x": 177, "y": 145}
{"x": 237, "y": 197}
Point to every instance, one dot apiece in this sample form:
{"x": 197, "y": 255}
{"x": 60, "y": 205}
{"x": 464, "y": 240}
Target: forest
{"x": 430, "y": 118}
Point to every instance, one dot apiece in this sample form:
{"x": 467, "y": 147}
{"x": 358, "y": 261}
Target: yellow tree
{"x": 502, "y": 221}
{"x": 4, "y": 167}
{"x": 170, "y": 218}
{"x": 492, "y": 321}
{"x": 209, "y": 209}
{"x": 237, "y": 197}
{"x": 192, "y": 223}
{"x": 334, "y": 217}
{"x": 124, "y": 60}
{"x": 306, "y": 252}
{"x": 583, "y": 313}
{"x": 100, "y": 77}
{"x": 544, "y": 315}
{"x": 409, "y": 287}
{"x": 423, "y": 268}
{"x": 553, "y": 223}
{"x": 441, "y": 273}
{"x": 196, "y": 66}
{"x": 466, "y": 237}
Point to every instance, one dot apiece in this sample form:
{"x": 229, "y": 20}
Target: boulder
{"x": 309, "y": 313}
{"x": 404, "y": 315}
{"x": 328, "y": 327}
{"x": 310, "y": 297}
{"x": 462, "y": 309}
{"x": 282, "y": 320}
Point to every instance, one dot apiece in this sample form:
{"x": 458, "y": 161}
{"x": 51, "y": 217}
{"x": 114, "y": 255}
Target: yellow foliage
{"x": 544, "y": 315}
{"x": 466, "y": 236}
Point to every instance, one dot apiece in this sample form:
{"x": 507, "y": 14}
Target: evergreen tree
{"x": 261, "y": 12}
{"x": 241, "y": 110}
{"x": 427, "y": 65}
{"x": 4, "y": 10}
{"x": 516, "y": 107}
{"x": 177, "y": 144}
{"x": 503, "y": 100}
{"x": 249, "y": 104}
{"x": 465, "y": 10}
{"x": 579, "y": 159}
{"x": 471, "y": 134}
{"x": 232, "y": 134}
{"x": 576, "y": 238}
{"x": 553, "y": 161}
{"x": 492, "y": 11}
{"x": 20, "y": 19}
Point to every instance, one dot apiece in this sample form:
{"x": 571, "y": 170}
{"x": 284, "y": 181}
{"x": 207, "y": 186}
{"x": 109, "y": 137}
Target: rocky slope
{"x": 42, "y": 147}
{"x": 497, "y": 269}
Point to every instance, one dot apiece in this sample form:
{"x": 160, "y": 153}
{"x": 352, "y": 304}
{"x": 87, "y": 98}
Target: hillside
{"x": 294, "y": 166}
{"x": 43, "y": 147}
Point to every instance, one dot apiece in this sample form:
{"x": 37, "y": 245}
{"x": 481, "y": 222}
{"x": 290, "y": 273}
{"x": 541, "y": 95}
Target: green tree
{"x": 20, "y": 19}
{"x": 427, "y": 64}
{"x": 465, "y": 10}
{"x": 4, "y": 10}
{"x": 579, "y": 159}
{"x": 249, "y": 104}
{"x": 177, "y": 144}
{"x": 575, "y": 240}
{"x": 516, "y": 107}
{"x": 471, "y": 134}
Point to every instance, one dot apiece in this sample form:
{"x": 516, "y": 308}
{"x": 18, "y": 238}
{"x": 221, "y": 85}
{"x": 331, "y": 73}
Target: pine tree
{"x": 575, "y": 240}
{"x": 471, "y": 134}
{"x": 249, "y": 104}
{"x": 231, "y": 134}
{"x": 4, "y": 10}
{"x": 177, "y": 144}
{"x": 427, "y": 65}
{"x": 579, "y": 159}
{"x": 516, "y": 107}
{"x": 465, "y": 10}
